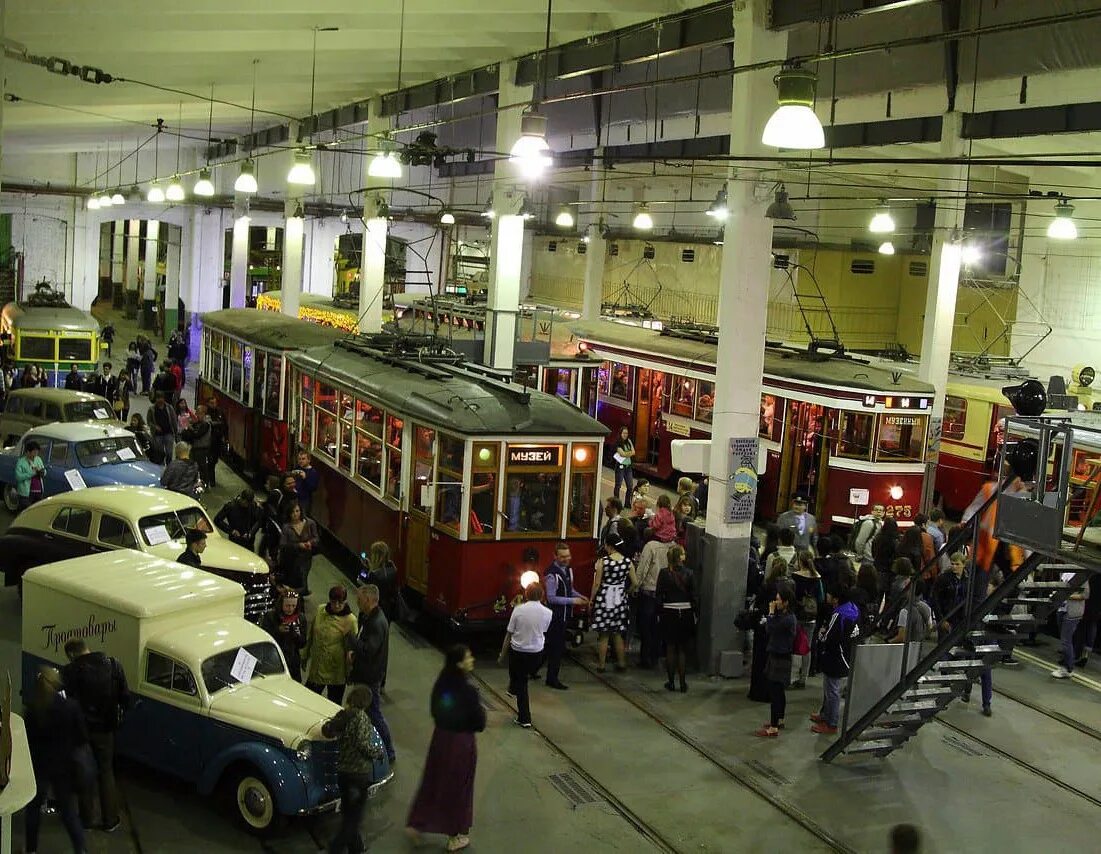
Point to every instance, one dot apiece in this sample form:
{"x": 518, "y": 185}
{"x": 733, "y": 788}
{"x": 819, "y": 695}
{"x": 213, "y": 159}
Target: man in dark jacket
{"x": 163, "y": 425}
{"x": 240, "y": 519}
{"x": 835, "y": 642}
{"x": 182, "y": 474}
{"x": 200, "y": 435}
{"x": 196, "y": 545}
{"x": 98, "y": 684}
{"x": 103, "y": 383}
{"x": 370, "y": 651}
{"x": 73, "y": 380}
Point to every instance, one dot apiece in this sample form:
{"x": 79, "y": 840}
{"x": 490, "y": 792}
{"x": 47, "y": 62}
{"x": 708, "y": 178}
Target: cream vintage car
{"x": 147, "y": 518}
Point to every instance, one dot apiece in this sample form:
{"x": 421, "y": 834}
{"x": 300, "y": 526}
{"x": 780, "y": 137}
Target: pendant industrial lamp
{"x": 794, "y": 124}
{"x": 1063, "y": 227}
{"x": 643, "y": 221}
{"x": 246, "y": 179}
{"x": 565, "y": 218}
{"x": 487, "y": 211}
{"x": 719, "y": 209}
{"x": 886, "y": 248}
{"x": 105, "y": 200}
{"x": 531, "y": 153}
{"x": 175, "y": 191}
{"x": 882, "y": 222}
{"x": 93, "y": 200}
{"x": 781, "y": 208}
{"x": 302, "y": 171}
{"x": 116, "y": 197}
{"x": 447, "y": 218}
{"x": 526, "y": 210}
{"x": 385, "y": 163}
{"x": 205, "y": 186}
{"x": 156, "y": 194}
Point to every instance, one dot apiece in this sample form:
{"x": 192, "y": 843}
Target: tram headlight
{"x": 528, "y": 578}
{"x": 581, "y": 455}
{"x": 484, "y": 455}
{"x": 895, "y": 492}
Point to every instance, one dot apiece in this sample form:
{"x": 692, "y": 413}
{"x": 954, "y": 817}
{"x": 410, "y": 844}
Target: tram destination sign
{"x": 535, "y": 455}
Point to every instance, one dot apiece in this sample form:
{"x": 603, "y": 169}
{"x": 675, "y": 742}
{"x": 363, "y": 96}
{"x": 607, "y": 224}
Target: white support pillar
{"x": 118, "y": 263}
{"x": 133, "y": 263}
{"x": 506, "y": 257}
{"x": 596, "y": 256}
{"x": 376, "y": 231}
{"x": 172, "y": 273}
{"x": 149, "y": 283}
{"x": 238, "y": 259}
{"x": 320, "y": 251}
{"x": 743, "y": 311}
{"x": 940, "y": 298}
{"x": 293, "y": 238}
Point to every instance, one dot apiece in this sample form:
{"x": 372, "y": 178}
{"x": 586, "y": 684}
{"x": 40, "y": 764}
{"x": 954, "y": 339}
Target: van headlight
{"x": 304, "y": 749}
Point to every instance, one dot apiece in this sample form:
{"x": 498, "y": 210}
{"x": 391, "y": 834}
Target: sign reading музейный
{"x": 535, "y": 455}
{"x": 55, "y": 638}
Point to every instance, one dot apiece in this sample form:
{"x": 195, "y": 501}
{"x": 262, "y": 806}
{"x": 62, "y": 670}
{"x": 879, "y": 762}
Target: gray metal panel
{"x": 877, "y": 668}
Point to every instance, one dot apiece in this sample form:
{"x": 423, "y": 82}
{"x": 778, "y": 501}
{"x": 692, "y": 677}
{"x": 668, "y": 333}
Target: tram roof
{"x": 271, "y": 329}
{"x": 458, "y": 403}
{"x": 24, "y": 316}
{"x": 782, "y": 363}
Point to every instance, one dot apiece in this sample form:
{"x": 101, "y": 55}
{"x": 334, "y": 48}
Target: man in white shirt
{"x": 523, "y": 643}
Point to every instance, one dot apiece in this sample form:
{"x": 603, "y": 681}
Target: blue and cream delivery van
{"x": 212, "y": 700}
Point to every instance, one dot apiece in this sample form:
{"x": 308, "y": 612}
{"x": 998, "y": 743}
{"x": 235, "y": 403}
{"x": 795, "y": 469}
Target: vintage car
{"x": 78, "y": 455}
{"x": 212, "y": 702}
{"x": 26, "y": 408}
{"x": 149, "y": 519}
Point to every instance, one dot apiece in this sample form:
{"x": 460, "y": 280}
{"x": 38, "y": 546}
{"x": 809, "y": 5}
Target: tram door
{"x": 804, "y": 455}
{"x": 649, "y": 385}
{"x": 418, "y": 532}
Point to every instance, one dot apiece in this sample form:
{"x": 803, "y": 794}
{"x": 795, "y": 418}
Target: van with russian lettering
{"x": 213, "y": 701}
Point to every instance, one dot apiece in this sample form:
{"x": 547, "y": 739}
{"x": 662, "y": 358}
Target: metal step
{"x": 933, "y": 678}
{"x": 907, "y": 720}
{"x": 1016, "y": 621}
{"x": 880, "y": 747}
{"x": 1028, "y": 586}
{"x": 922, "y": 707}
{"x": 962, "y": 657}
{"x": 931, "y": 691}
{"x": 894, "y": 733}
{"x": 1028, "y": 600}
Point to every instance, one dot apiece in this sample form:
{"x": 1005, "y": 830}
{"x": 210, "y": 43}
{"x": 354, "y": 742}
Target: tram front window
{"x": 74, "y": 349}
{"x": 531, "y": 503}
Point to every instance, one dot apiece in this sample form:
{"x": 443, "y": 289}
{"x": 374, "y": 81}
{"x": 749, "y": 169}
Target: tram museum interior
{"x": 838, "y": 252}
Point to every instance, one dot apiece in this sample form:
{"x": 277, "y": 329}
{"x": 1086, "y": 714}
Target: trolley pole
{"x": 742, "y": 320}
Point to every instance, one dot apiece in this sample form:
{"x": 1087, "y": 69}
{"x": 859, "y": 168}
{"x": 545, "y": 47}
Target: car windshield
{"x": 109, "y": 449}
{"x": 88, "y": 410}
{"x": 262, "y": 658}
{"x": 162, "y": 527}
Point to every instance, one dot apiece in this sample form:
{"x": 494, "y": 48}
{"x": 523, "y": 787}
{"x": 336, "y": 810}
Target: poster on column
{"x": 743, "y": 481}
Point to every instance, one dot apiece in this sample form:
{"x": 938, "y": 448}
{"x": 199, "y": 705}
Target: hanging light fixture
{"x": 970, "y": 254}
{"x": 882, "y": 222}
{"x": 116, "y": 197}
{"x": 105, "y": 200}
{"x": 1063, "y": 227}
{"x": 156, "y": 193}
{"x": 526, "y": 211}
{"x": 780, "y": 208}
{"x": 487, "y": 211}
{"x": 530, "y": 152}
{"x": 643, "y": 221}
{"x": 204, "y": 186}
{"x": 104, "y": 197}
{"x": 564, "y": 218}
{"x": 298, "y": 212}
{"x": 447, "y": 218}
{"x": 302, "y": 170}
{"x": 93, "y": 202}
{"x": 246, "y": 178}
{"x": 385, "y": 164}
{"x": 886, "y": 248}
{"x": 719, "y": 209}
{"x": 175, "y": 191}
{"x": 794, "y": 124}
{"x": 93, "y": 199}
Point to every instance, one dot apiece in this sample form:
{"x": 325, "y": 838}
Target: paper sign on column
{"x": 75, "y": 479}
{"x": 243, "y": 665}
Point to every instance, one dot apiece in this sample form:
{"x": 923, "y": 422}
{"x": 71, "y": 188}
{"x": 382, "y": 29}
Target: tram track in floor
{"x": 641, "y": 826}
{"x": 746, "y": 780}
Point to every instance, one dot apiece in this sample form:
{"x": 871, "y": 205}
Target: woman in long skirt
{"x": 445, "y": 799}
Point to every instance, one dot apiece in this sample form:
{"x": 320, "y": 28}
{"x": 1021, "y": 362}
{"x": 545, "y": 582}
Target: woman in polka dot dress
{"x": 609, "y": 618}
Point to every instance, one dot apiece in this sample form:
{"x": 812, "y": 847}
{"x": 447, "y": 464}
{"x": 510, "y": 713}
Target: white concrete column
{"x": 507, "y": 236}
{"x": 293, "y": 238}
{"x": 133, "y": 263}
{"x": 372, "y": 272}
{"x": 320, "y": 252}
{"x": 940, "y": 298}
{"x": 238, "y": 259}
{"x": 149, "y": 283}
{"x": 596, "y": 255}
{"x": 743, "y": 311}
{"x": 172, "y": 274}
{"x": 118, "y": 263}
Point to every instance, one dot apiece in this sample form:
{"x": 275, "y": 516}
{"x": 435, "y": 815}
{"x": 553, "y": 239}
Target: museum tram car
{"x": 243, "y": 366}
{"x": 842, "y": 432}
{"x": 470, "y": 478}
{"x": 48, "y": 332}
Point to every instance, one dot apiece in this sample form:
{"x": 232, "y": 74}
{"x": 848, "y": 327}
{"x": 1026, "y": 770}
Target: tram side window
{"x": 622, "y": 382}
{"x": 955, "y": 418}
{"x": 705, "y": 403}
{"x": 559, "y": 382}
{"x": 682, "y": 397}
{"x": 483, "y": 491}
{"x": 325, "y": 428}
{"x": 258, "y": 379}
{"x": 273, "y": 385}
{"x": 369, "y": 456}
{"x": 246, "y": 383}
{"x": 901, "y": 437}
{"x": 424, "y": 441}
{"x": 582, "y": 497}
{"x": 604, "y": 379}
{"x": 347, "y": 412}
{"x": 449, "y": 482}
{"x": 394, "y": 426}
{"x": 854, "y": 435}
{"x": 235, "y": 368}
{"x": 39, "y": 347}
{"x": 215, "y": 359}
{"x": 74, "y": 349}
{"x": 369, "y": 418}
{"x": 772, "y": 417}
{"x": 533, "y": 497}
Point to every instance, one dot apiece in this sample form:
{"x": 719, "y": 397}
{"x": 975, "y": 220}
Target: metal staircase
{"x": 991, "y": 628}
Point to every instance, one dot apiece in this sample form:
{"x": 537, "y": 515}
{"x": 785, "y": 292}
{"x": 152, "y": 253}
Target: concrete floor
{"x": 653, "y": 771}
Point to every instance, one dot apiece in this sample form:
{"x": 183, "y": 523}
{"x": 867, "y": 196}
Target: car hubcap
{"x": 254, "y": 802}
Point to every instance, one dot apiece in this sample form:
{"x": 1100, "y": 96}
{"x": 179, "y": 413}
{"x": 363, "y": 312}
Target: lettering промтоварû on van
{"x": 57, "y": 639}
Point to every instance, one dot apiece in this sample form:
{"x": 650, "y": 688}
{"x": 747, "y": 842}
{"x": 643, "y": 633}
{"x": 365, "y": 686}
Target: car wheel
{"x": 254, "y": 802}
{"x": 11, "y": 498}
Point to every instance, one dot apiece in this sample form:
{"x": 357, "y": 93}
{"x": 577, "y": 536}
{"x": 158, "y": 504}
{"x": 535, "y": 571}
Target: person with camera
{"x": 29, "y": 474}
{"x": 287, "y": 626}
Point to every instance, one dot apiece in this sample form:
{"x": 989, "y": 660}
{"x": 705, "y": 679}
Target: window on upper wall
{"x": 901, "y": 438}
{"x": 854, "y": 435}
{"x": 772, "y": 417}
{"x": 955, "y": 418}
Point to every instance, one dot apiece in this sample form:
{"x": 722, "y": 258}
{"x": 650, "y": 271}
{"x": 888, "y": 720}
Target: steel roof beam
{"x": 785, "y": 14}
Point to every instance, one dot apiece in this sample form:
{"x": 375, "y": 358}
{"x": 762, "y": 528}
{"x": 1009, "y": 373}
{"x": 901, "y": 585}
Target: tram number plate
{"x": 535, "y": 455}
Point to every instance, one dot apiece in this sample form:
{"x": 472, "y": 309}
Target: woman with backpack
{"x": 809, "y": 596}
{"x": 676, "y": 594}
{"x": 780, "y": 629}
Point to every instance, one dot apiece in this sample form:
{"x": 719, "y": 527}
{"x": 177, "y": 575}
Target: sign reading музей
{"x": 55, "y": 638}
{"x": 535, "y": 455}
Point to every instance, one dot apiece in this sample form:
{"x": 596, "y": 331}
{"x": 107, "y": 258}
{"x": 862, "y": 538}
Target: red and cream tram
{"x": 845, "y": 433}
{"x": 243, "y": 366}
{"x": 469, "y": 478}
